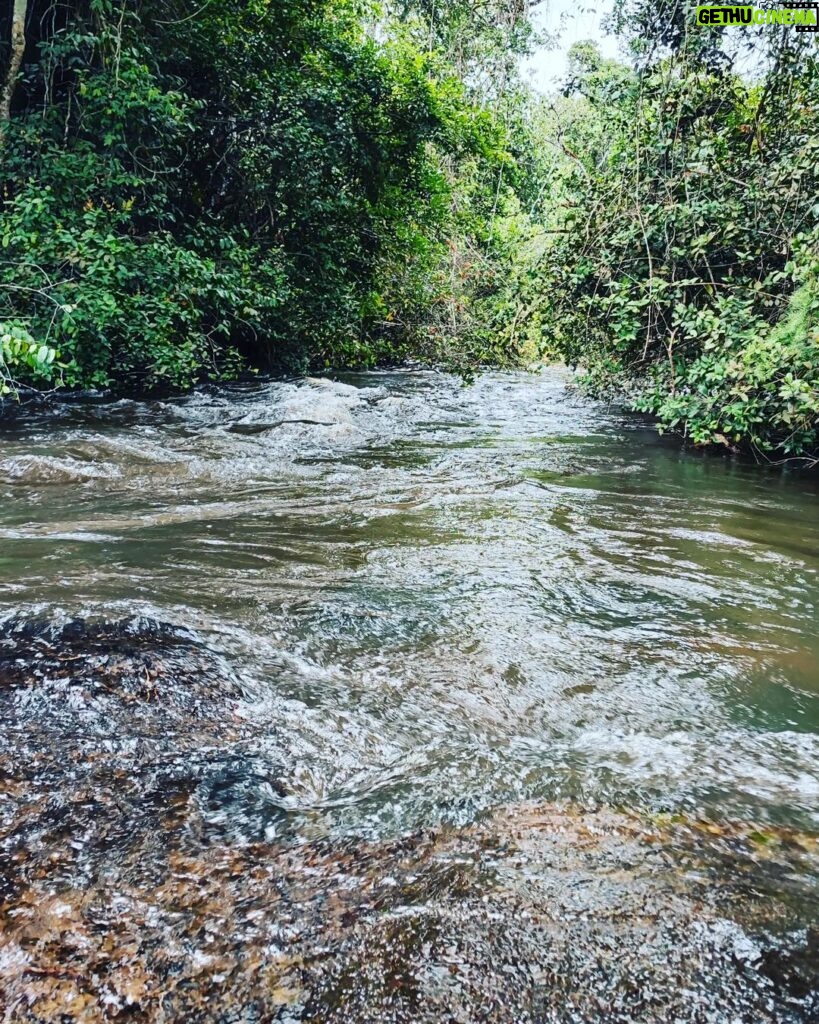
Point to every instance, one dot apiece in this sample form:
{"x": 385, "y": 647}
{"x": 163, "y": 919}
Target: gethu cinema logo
{"x": 804, "y": 17}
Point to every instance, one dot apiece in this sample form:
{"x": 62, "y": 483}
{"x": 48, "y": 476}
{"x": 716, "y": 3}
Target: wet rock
{"x": 143, "y": 878}
{"x": 118, "y": 681}
{"x": 537, "y": 915}
{"x": 241, "y": 427}
{"x": 112, "y": 731}
{"x": 37, "y": 470}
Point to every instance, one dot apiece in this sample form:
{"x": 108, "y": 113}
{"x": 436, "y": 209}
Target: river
{"x": 439, "y": 600}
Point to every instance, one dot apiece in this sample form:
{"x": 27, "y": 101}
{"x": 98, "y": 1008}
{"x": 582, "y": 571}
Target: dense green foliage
{"x": 687, "y": 272}
{"x": 19, "y": 349}
{"x": 187, "y": 192}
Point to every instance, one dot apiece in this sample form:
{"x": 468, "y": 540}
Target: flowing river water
{"x": 417, "y": 609}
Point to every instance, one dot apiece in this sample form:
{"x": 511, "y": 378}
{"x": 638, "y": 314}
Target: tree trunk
{"x": 18, "y": 49}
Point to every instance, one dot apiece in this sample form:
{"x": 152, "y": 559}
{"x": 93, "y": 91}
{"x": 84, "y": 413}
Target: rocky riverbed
{"x": 125, "y": 895}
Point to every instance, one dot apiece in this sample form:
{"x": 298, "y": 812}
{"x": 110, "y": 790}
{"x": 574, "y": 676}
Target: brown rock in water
{"x": 123, "y": 900}
{"x": 112, "y": 732}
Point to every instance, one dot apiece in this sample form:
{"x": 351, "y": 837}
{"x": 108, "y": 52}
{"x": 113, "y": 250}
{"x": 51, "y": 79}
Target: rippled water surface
{"x": 440, "y": 598}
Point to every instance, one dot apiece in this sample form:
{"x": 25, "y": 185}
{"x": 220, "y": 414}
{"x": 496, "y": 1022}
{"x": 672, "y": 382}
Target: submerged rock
{"x": 129, "y": 786}
{"x": 98, "y": 667}
{"x": 112, "y": 731}
{"x": 36, "y": 470}
{"x": 538, "y": 916}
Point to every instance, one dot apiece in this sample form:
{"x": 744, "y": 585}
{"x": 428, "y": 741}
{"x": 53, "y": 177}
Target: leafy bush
{"x": 20, "y": 352}
{"x": 760, "y": 386}
{"x": 684, "y": 271}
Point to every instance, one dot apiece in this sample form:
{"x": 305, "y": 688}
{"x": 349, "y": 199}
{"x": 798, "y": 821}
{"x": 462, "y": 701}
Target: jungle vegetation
{"x": 192, "y": 192}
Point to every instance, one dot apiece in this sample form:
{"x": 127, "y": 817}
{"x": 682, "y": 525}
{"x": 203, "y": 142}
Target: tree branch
{"x": 18, "y": 49}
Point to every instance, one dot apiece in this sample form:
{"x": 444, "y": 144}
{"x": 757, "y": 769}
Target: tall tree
{"x": 16, "y": 53}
